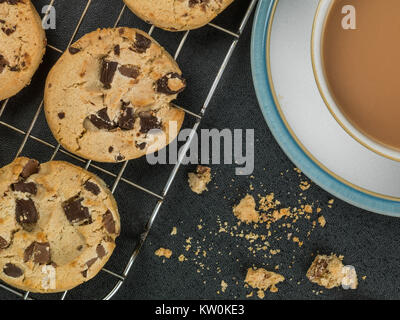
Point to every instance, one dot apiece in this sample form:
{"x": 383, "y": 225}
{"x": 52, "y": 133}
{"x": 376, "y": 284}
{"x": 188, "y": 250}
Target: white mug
{"x": 316, "y": 51}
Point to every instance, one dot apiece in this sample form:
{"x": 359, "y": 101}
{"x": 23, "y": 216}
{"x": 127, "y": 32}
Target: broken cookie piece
{"x": 329, "y": 272}
{"x": 198, "y": 181}
{"x": 263, "y": 280}
{"x": 246, "y": 211}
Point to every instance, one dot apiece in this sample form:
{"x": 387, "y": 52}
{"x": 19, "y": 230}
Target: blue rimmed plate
{"x": 299, "y": 119}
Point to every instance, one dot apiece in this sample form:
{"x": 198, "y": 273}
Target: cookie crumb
{"x": 162, "y": 252}
{"x": 263, "y": 280}
{"x": 329, "y": 272}
{"x": 279, "y": 214}
{"x": 308, "y": 209}
{"x": 297, "y": 240}
{"x": 322, "y": 221}
{"x": 246, "y": 211}
{"x": 304, "y": 185}
{"x": 224, "y": 286}
{"x": 182, "y": 258}
{"x": 174, "y": 231}
{"x": 268, "y": 202}
{"x": 198, "y": 181}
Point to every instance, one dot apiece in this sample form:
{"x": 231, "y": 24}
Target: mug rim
{"x": 320, "y": 18}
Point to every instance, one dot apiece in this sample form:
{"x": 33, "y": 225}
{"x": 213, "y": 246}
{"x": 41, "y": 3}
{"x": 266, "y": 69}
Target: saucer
{"x": 299, "y": 119}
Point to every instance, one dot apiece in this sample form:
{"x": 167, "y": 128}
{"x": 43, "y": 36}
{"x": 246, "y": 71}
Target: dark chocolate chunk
{"x": 119, "y": 157}
{"x": 15, "y": 69}
{"x": 73, "y": 50}
{"x": 117, "y": 50}
{"x": 124, "y": 103}
{"x": 108, "y": 221}
{"x": 26, "y": 213}
{"x": 12, "y": 270}
{"x": 76, "y": 213}
{"x": 101, "y": 252}
{"x": 92, "y": 187}
{"x": 38, "y": 252}
{"x": 141, "y": 146}
{"x": 130, "y": 71}
{"x": 321, "y": 267}
{"x": 107, "y": 73}
{"x": 127, "y": 119}
{"x": 9, "y": 31}
{"x": 61, "y": 115}
{"x": 141, "y": 43}
{"x": 91, "y": 262}
{"x": 3, "y": 63}
{"x": 88, "y": 264}
{"x": 101, "y": 120}
{"x": 24, "y": 187}
{"x": 110, "y": 149}
{"x": 3, "y": 243}
{"x": 30, "y": 168}
{"x": 162, "y": 85}
{"x": 148, "y": 122}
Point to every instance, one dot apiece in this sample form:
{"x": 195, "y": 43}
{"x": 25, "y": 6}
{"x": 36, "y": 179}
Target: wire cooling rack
{"x": 114, "y": 280}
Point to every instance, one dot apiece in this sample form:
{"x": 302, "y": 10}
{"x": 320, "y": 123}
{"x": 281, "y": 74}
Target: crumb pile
{"x": 270, "y": 241}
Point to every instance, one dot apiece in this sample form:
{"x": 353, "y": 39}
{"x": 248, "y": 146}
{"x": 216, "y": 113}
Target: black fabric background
{"x": 368, "y": 241}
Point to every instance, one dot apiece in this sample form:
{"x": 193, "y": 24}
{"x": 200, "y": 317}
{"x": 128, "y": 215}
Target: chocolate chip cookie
{"x": 22, "y": 45}
{"x": 58, "y": 225}
{"x": 109, "y": 96}
{"x": 178, "y": 15}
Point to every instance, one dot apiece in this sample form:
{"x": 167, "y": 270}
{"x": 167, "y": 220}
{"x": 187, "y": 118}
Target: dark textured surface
{"x": 368, "y": 241}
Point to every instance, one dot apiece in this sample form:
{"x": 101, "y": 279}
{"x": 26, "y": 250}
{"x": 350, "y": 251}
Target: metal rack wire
{"x": 119, "y": 177}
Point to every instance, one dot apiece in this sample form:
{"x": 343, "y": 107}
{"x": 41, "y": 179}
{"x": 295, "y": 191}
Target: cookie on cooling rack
{"x": 178, "y": 15}
{"x": 107, "y": 93}
{"x": 22, "y": 45}
{"x": 58, "y": 225}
